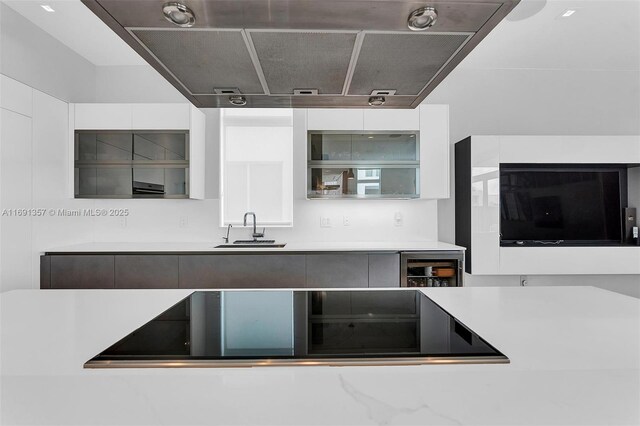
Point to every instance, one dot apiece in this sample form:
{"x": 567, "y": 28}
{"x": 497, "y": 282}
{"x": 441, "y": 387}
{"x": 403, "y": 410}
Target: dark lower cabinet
{"x": 82, "y": 271}
{"x": 337, "y": 270}
{"x": 146, "y": 271}
{"x": 45, "y": 271}
{"x": 242, "y": 271}
{"x": 251, "y": 270}
{"x": 384, "y": 270}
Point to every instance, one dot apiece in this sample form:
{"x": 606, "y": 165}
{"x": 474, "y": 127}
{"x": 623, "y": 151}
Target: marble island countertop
{"x": 129, "y": 247}
{"x": 574, "y": 351}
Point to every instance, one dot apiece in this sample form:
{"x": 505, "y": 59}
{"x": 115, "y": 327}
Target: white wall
{"x": 135, "y": 84}
{"x": 33, "y": 57}
{"x": 540, "y": 102}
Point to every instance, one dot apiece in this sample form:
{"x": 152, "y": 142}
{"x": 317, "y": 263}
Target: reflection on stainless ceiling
{"x": 303, "y": 53}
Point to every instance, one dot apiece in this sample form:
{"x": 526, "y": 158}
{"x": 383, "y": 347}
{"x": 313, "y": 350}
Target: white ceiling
{"x": 602, "y": 34}
{"x": 77, "y": 27}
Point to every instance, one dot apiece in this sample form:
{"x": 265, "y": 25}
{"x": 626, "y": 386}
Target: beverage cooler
{"x": 431, "y": 269}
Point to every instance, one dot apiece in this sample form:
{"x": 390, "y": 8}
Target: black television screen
{"x": 544, "y": 204}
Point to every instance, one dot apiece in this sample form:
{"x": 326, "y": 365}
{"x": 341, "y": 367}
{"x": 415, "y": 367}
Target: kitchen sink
{"x": 252, "y": 243}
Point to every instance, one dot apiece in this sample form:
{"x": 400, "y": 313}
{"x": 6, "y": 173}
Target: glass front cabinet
{"x": 363, "y": 165}
{"x": 131, "y": 164}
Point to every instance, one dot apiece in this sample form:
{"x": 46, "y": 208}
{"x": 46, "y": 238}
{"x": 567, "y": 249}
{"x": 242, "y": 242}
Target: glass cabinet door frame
{"x": 362, "y": 164}
{"x": 133, "y": 164}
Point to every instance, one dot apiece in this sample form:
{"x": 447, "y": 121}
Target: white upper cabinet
{"x": 196, "y": 153}
{"x": 256, "y": 161}
{"x": 103, "y": 117}
{"x": 152, "y": 117}
{"x": 335, "y": 119}
{"x": 434, "y": 151}
{"x": 132, "y": 116}
{"x": 363, "y": 119}
{"x": 160, "y": 116}
{"x": 431, "y": 121}
{"x": 392, "y": 119}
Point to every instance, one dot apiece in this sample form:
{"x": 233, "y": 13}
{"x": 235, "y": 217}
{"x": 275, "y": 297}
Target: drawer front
{"x": 146, "y": 271}
{"x": 82, "y": 271}
{"x": 384, "y": 270}
{"x": 341, "y": 270}
{"x": 242, "y": 271}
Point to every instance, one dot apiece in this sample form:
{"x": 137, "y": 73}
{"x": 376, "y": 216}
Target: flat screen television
{"x": 544, "y": 204}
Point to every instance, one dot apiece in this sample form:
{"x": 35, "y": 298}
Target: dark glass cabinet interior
{"x": 363, "y": 165}
{"x": 244, "y": 326}
{"x": 126, "y": 164}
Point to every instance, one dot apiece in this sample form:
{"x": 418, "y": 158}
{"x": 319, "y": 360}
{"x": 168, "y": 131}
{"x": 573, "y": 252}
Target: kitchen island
{"x": 574, "y": 352}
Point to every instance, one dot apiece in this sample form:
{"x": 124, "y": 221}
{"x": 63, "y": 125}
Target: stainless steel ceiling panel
{"x": 404, "y": 62}
{"x": 384, "y": 15}
{"x": 205, "y": 59}
{"x": 304, "y": 60}
{"x": 273, "y": 101}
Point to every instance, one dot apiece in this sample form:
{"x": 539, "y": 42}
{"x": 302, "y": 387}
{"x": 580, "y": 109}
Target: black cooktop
{"x": 266, "y": 328}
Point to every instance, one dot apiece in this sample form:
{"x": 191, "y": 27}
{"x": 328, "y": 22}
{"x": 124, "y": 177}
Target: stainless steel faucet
{"x": 255, "y": 233}
{"x": 226, "y": 239}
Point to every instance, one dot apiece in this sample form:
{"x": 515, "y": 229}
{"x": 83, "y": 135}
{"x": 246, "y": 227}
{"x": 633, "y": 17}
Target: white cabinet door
{"x": 16, "y": 97}
{"x": 103, "y": 117}
{"x": 335, "y": 119}
{"x": 15, "y": 193}
{"x": 434, "y": 151}
{"x": 196, "y": 153}
{"x": 51, "y": 155}
{"x": 160, "y": 116}
{"x": 392, "y": 119}
{"x": 256, "y": 159}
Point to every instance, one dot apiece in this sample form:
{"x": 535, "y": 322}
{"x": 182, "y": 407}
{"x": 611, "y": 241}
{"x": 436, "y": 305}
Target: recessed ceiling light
{"x": 179, "y": 14}
{"x": 47, "y": 7}
{"x": 568, "y": 13}
{"x": 423, "y": 18}
{"x": 377, "y": 100}
{"x": 237, "y": 100}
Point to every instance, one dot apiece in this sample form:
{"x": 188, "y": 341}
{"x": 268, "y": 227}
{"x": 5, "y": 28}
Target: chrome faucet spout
{"x": 255, "y": 234}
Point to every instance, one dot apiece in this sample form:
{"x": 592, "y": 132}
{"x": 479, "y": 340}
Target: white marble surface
{"x": 575, "y": 358}
{"x": 290, "y": 247}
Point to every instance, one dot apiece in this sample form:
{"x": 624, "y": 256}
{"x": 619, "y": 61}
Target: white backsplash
{"x": 197, "y": 220}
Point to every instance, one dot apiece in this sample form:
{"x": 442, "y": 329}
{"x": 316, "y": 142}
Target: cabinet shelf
{"x": 361, "y": 318}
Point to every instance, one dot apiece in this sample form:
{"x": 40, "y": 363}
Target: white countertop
{"x": 290, "y": 247}
{"x": 575, "y": 358}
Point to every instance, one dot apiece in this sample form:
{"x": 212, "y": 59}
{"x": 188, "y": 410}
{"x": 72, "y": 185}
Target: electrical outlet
{"x": 183, "y": 222}
{"x": 325, "y": 222}
{"x": 346, "y": 221}
{"x": 397, "y": 219}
